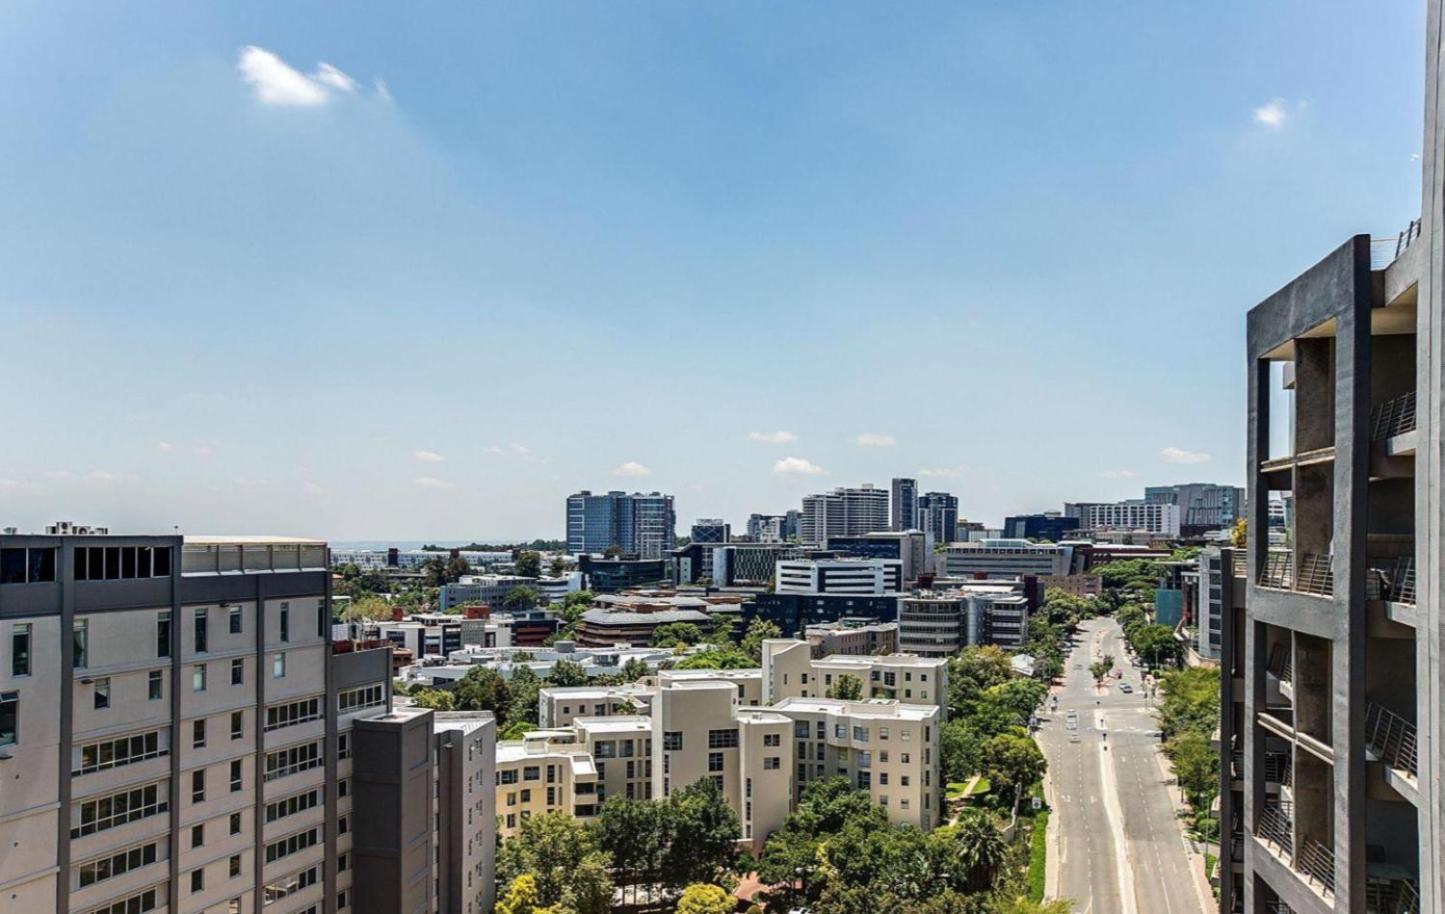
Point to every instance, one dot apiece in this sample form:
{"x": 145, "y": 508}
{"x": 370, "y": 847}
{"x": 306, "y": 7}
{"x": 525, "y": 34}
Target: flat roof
{"x": 865, "y": 662}
{"x": 252, "y": 540}
{"x": 886, "y": 709}
{"x": 627, "y": 723}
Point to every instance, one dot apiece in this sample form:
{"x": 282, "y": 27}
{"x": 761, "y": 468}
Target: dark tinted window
{"x": 161, "y": 567}
{"x": 12, "y": 566}
{"x": 42, "y": 565}
{"x": 112, "y": 562}
{"x": 127, "y": 562}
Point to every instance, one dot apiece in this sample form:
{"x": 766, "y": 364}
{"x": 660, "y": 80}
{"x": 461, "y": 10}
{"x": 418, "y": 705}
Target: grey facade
{"x": 644, "y": 525}
{"x": 904, "y": 505}
{"x": 938, "y": 516}
{"x": 1202, "y": 505}
{"x": 711, "y": 530}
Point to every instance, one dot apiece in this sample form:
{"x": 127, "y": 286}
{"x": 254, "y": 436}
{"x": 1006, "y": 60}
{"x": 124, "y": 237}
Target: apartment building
{"x": 852, "y": 636}
{"x": 938, "y": 516}
{"x": 545, "y": 771}
{"x": 940, "y": 623}
{"x": 641, "y": 524}
{"x": 1202, "y": 505}
{"x": 843, "y": 512}
{"x": 1134, "y": 514}
{"x": 859, "y": 577}
{"x": 791, "y": 671}
{"x": 178, "y": 731}
{"x": 908, "y": 546}
{"x": 904, "y": 504}
{"x": 1341, "y": 724}
{"x": 559, "y": 707}
{"x": 885, "y": 747}
{"x": 1005, "y": 558}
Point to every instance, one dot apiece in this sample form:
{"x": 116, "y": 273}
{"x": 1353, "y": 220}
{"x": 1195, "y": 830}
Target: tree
{"x": 847, "y": 688}
{"x": 635, "y": 669}
{"x": 520, "y": 599}
{"x": 520, "y": 897}
{"x": 562, "y": 857}
{"x": 716, "y": 658}
{"x": 700, "y": 898}
{"x": 566, "y": 674}
{"x": 705, "y": 833}
{"x": 1022, "y": 905}
{"x": 515, "y": 730}
{"x": 675, "y": 633}
{"x": 1012, "y": 760}
{"x": 369, "y": 609}
{"x": 638, "y": 833}
{"x": 1196, "y": 765}
{"x": 455, "y": 567}
{"x": 433, "y": 572}
{"x": 1101, "y": 668}
{"x": 759, "y": 630}
{"x": 972, "y": 850}
{"x": 962, "y": 746}
{"x": 526, "y": 690}
{"x": 435, "y": 699}
{"x": 527, "y": 564}
{"x": 612, "y": 552}
{"x": 1155, "y": 643}
{"x": 483, "y": 689}
{"x": 557, "y": 567}
{"x": 1190, "y": 701}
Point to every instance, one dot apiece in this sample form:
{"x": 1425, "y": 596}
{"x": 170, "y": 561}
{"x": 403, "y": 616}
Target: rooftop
{"x": 881, "y": 708}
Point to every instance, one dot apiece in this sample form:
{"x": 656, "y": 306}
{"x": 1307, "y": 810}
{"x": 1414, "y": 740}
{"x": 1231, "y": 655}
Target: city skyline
{"x": 326, "y": 279}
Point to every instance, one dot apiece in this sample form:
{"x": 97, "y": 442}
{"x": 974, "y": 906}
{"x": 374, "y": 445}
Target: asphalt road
{"x": 1120, "y": 847}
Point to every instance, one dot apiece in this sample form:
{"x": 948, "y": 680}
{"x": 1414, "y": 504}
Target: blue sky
{"x": 489, "y": 254}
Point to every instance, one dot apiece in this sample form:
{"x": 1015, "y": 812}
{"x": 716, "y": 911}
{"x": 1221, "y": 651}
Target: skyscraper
{"x": 843, "y": 512}
{"x": 711, "y": 530}
{"x": 905, "y": 504}
{"x": 938, "y": 514}
{"x": 638, "y": 524}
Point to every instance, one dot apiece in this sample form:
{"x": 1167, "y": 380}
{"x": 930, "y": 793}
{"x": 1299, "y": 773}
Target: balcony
{"x": 1391, "y": 579}
{"x": 1316, "y": 863}
{"x": 1393, "y": 417}
{"x": 1390, "y": 738}
{"x": 1393, "y": 896}
{"x": 1280, "y": 664}
{"x": 1314, "y": 575}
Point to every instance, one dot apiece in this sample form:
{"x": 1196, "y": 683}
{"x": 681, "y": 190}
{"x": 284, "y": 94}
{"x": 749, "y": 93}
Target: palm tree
{"x": 978, "y": 849}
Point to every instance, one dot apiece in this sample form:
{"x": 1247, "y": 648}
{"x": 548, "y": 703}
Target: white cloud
{"x": 9, "y": 484}
{"x": 492, "y": 449}
{"x": 1118, "y": 474}
{"x": 632, "y": 468}
{"x": 103, "y": 476}
{"x": 520, "y": 449}
{"x": 431, "y": 482}
{"x": 1179, "y": 455}
{"x": 382, "y": 92}
{"x": 278, "y": 83}
{"x": 772, "y": 437}
{"x": 428, "y": 456}
{"x": 797, "y": 466}
{"x": 945, "y": 472}
{"x": 869, "y": 439}
{"x": 165, "y": 447}
{"x": 58, "y": 475}
{"x": 1271, "y": 114}
{"x": 203, "y": 450}
{"x": 311, "y": 488}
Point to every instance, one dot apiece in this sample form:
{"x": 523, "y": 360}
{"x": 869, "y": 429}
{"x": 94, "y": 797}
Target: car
{"x": 1125, "y": 688}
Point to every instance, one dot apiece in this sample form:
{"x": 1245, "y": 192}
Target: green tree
{"x": 567, "y": 674}
{"x": 717, "y": 659}
{"x": 369, "y": 609}
{"x": 972, "y": 850}
{"x": 527, "y": 564}
{"x": 1155, "y": 643}
{"x": 700, "y": 898}
{"x": 962, "y": 746}
{"x": 674, "y": 633}
{"x": 557, "y": 567}
{"x": 483, "y": 689}
{"x": 521, "y": 896}
{"x": 638, "y": 833}
{"x": 1101, "y": 668}
{"x": 1196, "y": 765}
{"x": 847, "y": 688}
{"x": 1189, "y": 701}
{"x": 758, "y": 631}
{"x": 1012, "y": 761}
{"x": 435, "y": 699}
{"x": 1022, "y": 905}
{"x": 705, "y": 833}
{"x": 526, "y": 690}
{"x": 635, "y": 669}
{"x": 516, "y": 730}
{"x": 455, "y": 568}
{"x": 563, "y": 858}
{"x": 520, "y": 599}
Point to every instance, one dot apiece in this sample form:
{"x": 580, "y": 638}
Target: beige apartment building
{"x": 790, "y": 671}
{"x": 177, "y": 731}
{"x": 559, "y": 707}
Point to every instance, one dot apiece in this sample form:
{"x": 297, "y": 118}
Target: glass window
{"x": 238, "y": 724}
{"x": 200, "y": 634}
{"x": 42, "y": 565}
{"x": 82, "y": 644}
{"x": 198, "y": 678}
{"x": 20, "y": 649}
{"x": 285, "y": 622}
{"x": 278, "y": 666}
{"x": 198, "y": 734}
{"x": 154, "y": 688}
{"x": 233, "y": 617}
{"x": 102, "y": 693}
{"x": 238, "y": 671}
{"x": 161, "y": 562}
{"x": 9, "y": 717}
{"x": 163, "y": 634}
{"x": 12, "y": 566}
{"x": 198, "y": 786}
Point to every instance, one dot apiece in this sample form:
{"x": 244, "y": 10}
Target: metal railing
{"x": 1278, "y": 570}
{"x": 1393, "y": 417}
{"x": 1316, "y": 575}
{"x": 1387, "y": 249}
{"x": 1316, "y": 862}
{"x": 1391, "y": 578}
{"x": 1281, "y": 664}
{"x": 1277, "y": 768}
{"x": 1390, "y": 738}
{"x": 1394, "y": 896}
{"x": 1274, "y": 823}
{"x": 1278, "y": 907}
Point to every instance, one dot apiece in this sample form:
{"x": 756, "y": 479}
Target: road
{"x": 1120, "y": 847}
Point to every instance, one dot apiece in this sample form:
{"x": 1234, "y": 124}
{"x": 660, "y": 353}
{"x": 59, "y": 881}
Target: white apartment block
{"x": 1135, "y": 514}
{"x": 859, "y": 577}
{"x": 843, "y": 512}
{"x": 1005, "y": 558}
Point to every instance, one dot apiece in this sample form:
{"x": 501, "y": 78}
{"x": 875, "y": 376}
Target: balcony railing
{"x": 1393, "y": 417}
{"x": 1317, "y": 863}
{"x": 1278, "y": 907}
{"x": 1390, "y": 738}
{"x": 1316, "y": 575}
{"x": 1391, "y": 579}
{"x": 1396, "y": 896}
{"x": 1281, "y": 665}
{"x": 1278, "y": 570}
{"x": 1275, "y": 823}
{"x": 1387, "y": 249}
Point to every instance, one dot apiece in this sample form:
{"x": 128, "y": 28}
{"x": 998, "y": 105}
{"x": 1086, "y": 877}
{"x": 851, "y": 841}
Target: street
{"x": 1118, "y": 846}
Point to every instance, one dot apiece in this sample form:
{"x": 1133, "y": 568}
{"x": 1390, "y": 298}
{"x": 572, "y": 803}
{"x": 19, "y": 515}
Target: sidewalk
{"x": 1196, "y": 858}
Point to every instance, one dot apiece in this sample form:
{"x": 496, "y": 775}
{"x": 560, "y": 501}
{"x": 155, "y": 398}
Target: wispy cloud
{"x": 311, "y": 488}
{"x": 276, "y": 82}
{"x": 428, "y": 456}
{"x": 1180, "y": 455}
{"x": 58, "y": 475}
{"x": 1118, "y": 474}
{"x": 797, "y": 466}
{"x": 1271, "y": 114}
{"x": 165, "y": 447}
{"x": 520, "y": 449}
{"x": 203, "y": 450}
{"x": 772, "y": 437}
{"x": 103, "y": 476}
{"x": 944, "y": 472}
{"x": 492, "y": 449}
{"x": 870, "y": 439}
{"x": 632, "y": 468}
{"x": 431, "y": 482}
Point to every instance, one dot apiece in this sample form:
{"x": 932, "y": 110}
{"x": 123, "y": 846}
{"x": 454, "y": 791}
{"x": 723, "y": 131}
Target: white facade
{"x": 1005, "y": 558}
{"x": 859, "y": 577}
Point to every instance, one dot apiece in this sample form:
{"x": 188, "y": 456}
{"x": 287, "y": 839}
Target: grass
{"x": 982, "y": 786}
{"x": 955, "y": 789}
{"x": 1038, "y": 848}
{"x": 1209, "y": 861}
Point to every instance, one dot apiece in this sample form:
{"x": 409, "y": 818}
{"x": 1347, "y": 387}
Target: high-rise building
{"x": 1005, "y": 559}
{"x": 180, "y": 732}
{"x": 1134, "y": 514}
{"x": 711, "y": 530}
{"x": 1049, "y": 526}
{"x": 1202, "y": 505}
{"x": 774, "y": 528}
{"x": 904, "y": 504}
{"x": 644, "y": 525}
{"x": 938, "y": 516}
{"x": 843, "y": 512}
{"x": 1341, "y": 734}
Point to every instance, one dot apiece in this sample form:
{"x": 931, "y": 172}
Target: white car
{"x": 1125, "y": 688}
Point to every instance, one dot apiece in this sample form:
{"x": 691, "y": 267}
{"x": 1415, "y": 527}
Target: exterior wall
{"x": 1004, "y": 559}
{"x": 393, "y": 844}
{"x": 467, "y": 815}
{"x": 534, "y": 778}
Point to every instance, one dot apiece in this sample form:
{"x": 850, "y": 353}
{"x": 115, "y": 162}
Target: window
{"x": 238, "y": 724}
{"x": 714, "y": 761}
{"x": 722, "y": 739}
{"x": 27, "y": 566}
{"x": 113, "y": 865}
{"x": 135, "y": 904}
{"x": 201, "y": 633}
{"x": 198, "y": 678}
{"x": 343, "y": 746}
{"x": 883, "y": 778}
{"x": 293, "y": 713}
{"x": 285, "y": 622}
{"x": 233, "y": 617}
{"x": 235, "y": 823}
{"x": 772, "y": 763}
{"x": 238, "y": 672}
{"x": 531, "y": 773}
{"x": 125, "y": 750}
{"x": 81, "y": 643}
{"x": 163, "y": 633}
{"x": 155, "y": 689}
{"x": 860, "y": 734}
{"x": 370, "y": 696}
{"x": 278, "y": 666}
{"x": 289, "y": 885}
{"x": 102, "y": 693}
{"x": 291, "y": 844}
{"x": 800, "y": 729}
{"x": 233, "y": 868}
{"x": 198, "y": 880}
{"x": 198, "y": 786}
{"x": 293, "y": 804}
{"x": 292, "y": 759}
{"x": 672, "y": 741}
{"x": 198, "y": 734}
{"x": 20, "y": 649}
{"x": 772, "y": 740}
{"x": 236, "y": 776}
{"x": 198, "y": 835}
{"x": 117, "y": 809}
